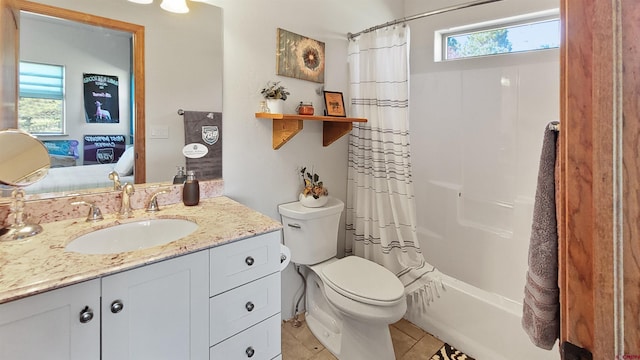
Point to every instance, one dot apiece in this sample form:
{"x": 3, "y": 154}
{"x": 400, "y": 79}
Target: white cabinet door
{"x": 49, "y": 326}
{"x": 158, "y": 311}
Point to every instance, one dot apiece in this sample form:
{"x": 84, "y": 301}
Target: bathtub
{"x": 484, "y": 325}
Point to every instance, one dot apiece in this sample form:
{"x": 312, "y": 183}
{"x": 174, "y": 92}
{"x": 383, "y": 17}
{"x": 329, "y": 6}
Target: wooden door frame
{"x": 599, "y": 250}
{"x": 10, "y": 22}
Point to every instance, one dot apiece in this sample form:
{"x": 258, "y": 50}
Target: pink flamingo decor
{"x": 102, "y": 114}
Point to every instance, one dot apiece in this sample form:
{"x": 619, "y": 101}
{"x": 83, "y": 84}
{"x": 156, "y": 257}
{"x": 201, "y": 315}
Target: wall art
{"x": 103, "y": 149}
{"x": 101, "y": 98}
{"x": 300, "y": 57}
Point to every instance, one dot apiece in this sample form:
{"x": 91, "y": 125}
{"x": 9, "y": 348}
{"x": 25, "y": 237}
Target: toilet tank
{"x": 311, "y": 233}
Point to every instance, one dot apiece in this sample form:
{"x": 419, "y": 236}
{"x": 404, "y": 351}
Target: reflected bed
{"x": 76, "y": 178}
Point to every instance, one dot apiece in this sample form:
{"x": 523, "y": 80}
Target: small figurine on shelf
{"x": 263, "y": 107}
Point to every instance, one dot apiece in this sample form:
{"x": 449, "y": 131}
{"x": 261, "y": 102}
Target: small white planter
{"x": 276, "y": 106}
{"x": 310, "y": 201}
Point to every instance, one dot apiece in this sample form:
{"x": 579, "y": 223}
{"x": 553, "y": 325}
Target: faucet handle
{"x": 94, "y": 211}
{"x": 116, "y": 180}
{"x": 152, "y": 206}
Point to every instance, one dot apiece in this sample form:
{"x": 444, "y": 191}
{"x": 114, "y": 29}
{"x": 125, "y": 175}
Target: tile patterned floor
{"x": 409, "y": 343}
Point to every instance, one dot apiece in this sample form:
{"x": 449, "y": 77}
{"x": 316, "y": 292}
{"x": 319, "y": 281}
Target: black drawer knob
{"x": 249, "y": 306}
{"x": 249, "y": 260}
{"x": 250, "y": 351}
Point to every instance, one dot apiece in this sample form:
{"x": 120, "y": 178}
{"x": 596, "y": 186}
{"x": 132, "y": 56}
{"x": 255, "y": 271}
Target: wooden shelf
{"x": 286, "y": 126}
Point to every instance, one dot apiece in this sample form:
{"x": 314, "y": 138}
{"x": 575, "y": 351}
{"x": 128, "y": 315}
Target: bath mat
{"x": 448, "y": 352}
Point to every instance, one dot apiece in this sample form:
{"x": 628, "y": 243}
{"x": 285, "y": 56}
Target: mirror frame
{"x": 137, "y": 62}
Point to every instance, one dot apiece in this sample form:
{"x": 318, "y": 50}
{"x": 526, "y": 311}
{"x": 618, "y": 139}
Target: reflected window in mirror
{"x": 41, "y": 99}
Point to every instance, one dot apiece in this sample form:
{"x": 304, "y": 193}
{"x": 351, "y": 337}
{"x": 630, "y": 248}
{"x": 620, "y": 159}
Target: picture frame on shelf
{"x": 334, "y": 104}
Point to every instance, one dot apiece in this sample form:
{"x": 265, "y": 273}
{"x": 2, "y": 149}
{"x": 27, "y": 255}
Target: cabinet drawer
{"x": 237, "y": 263}
{"x": 242, "y": 307}
{"x": 261, "y": 341}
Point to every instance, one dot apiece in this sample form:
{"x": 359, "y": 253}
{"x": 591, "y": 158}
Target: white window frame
{"x": 440, "y": 36}
{"x": 61, "y": 97}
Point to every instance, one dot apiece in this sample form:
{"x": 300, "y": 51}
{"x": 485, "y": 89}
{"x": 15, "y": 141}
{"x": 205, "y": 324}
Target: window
{"x": 41, "y": 99}
{"x": 526, "y": 33}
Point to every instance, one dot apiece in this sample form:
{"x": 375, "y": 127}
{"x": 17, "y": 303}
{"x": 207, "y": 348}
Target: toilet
{"x": 350, "y": 301}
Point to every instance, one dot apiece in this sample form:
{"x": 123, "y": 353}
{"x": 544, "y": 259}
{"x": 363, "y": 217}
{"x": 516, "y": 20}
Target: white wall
{"x": 90, "y": 51}
{"x": 476, "y": 128}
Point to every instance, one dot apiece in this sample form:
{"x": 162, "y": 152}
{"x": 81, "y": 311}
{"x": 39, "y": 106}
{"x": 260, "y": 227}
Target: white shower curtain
{"x": 381, "y": 215}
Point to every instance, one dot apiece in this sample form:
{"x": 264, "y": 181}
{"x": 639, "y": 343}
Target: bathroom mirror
{"x": 53, "y": 35}
{"x": 24, "y": 160}
{"x": 179, "y": 81}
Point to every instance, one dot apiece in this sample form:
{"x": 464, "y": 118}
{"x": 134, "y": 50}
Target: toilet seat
{"x": 364, "y": 281}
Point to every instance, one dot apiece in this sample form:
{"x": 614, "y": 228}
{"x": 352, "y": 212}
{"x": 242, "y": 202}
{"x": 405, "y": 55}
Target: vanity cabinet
{"x": 244, "y": 309}
{"x": 220, "y": 303}
{"x": 59, "y": 324}
{"x": 157, "y": 311}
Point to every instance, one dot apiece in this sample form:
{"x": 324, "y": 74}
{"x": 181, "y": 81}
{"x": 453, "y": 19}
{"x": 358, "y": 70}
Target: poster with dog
{"x": 101, "y": 98}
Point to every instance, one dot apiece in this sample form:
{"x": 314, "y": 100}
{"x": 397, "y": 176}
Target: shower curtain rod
{"x": 350, "y": 36}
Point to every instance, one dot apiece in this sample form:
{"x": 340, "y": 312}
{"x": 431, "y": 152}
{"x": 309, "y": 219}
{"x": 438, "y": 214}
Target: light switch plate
{"x": 159, "y": 132}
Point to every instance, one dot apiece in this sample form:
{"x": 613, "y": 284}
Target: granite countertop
{"x": 40, "y": 263}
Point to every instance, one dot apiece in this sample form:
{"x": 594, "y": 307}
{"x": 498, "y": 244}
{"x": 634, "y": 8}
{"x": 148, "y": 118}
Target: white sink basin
{"x": 132, "y": 236}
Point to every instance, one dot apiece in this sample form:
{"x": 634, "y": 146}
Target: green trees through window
{"x": 40, "y": 116}
{"x": 505, "y": 39}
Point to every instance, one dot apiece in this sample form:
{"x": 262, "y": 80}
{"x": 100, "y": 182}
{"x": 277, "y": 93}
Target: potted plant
{"x": 275, "y": 94}
{"x": 313, "y": 193}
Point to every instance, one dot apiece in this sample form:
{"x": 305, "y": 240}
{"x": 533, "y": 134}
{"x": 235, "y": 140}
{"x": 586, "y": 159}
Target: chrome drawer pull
{"x": 295, "y": 226}
{"x": 117, "y": 306}
{"x": 86, "y": 315}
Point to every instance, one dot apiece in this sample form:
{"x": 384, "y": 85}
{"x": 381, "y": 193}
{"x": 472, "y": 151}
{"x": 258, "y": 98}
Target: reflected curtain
{"x": 381, "y": 211}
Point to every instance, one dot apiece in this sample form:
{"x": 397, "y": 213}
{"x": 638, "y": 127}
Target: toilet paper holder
{"x": 285, "y": 256}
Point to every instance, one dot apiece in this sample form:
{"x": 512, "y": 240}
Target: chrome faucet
{"x": 94, "y": 211}
{"x": 125, "y": 209}
{"x": 152, "y": 206}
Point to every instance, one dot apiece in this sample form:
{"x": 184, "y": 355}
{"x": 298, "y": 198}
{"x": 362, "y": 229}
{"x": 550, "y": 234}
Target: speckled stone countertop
{"x": 40, "y": 263}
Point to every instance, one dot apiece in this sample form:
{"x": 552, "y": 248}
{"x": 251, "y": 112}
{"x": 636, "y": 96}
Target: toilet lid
{"x": 363, "y": 280}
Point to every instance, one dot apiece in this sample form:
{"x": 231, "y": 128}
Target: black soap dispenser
{"x": 180, "y": 177}
{"x": 191, "y": 190}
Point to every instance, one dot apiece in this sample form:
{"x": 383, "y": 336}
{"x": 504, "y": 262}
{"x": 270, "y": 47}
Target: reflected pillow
{"x": 124, "y": 166}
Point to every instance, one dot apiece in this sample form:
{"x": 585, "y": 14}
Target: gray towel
{"x": 541, "y": 306}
